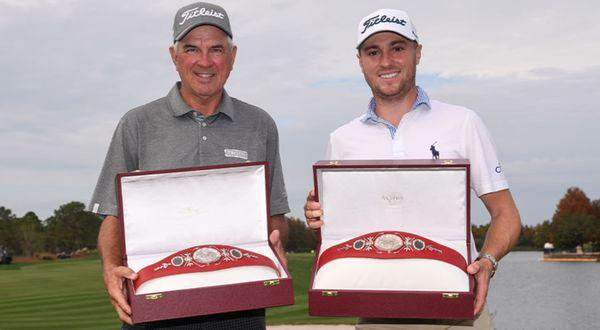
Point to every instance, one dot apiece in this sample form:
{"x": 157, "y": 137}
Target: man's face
{"x": 389, "y": 64}
{"x": 204, "y": 60}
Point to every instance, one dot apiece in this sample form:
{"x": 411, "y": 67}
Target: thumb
{"x": 274, "y": 237}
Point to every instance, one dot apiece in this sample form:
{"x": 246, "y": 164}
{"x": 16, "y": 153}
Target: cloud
{"x": 531, "y": 74}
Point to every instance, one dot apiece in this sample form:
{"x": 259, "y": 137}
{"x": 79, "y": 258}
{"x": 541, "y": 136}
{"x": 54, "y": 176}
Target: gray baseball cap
{"x": 199, "y": 13}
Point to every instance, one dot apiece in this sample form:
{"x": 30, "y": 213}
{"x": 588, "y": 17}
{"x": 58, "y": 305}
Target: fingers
{"x": 312, "y": 211}
{"x": 314, "y": 223}
{"x": 481, "y": 290}
{"x": 113, "y": 280}
{"x": 482, "y": 281}
{"x": 124, "y": 317}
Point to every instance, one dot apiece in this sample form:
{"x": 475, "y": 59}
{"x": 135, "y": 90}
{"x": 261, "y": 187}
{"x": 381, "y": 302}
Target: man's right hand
{"x": 114, "y": 278}
{"x": 313, "y": 212}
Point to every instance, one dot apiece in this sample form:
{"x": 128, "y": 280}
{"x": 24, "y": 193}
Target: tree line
{"x": 576, "y": 221}
{"x": 70, "y": 228}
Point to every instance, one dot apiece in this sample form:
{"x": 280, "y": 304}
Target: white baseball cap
{"x": 391, "y": 20}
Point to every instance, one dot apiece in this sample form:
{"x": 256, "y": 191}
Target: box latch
{"x": 271, "y": 283}
{"x": 154, "y": 296}
{"x": 329, "y": 293}
{"x": 450, "y": 295}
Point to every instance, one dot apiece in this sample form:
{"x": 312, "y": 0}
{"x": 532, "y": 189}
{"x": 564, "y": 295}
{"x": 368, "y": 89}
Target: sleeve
{"x": 120, "y": 158}
{"x": 279, "y": 200}
{"x": 331, "y": 152}
{"x": 486, "y": 171}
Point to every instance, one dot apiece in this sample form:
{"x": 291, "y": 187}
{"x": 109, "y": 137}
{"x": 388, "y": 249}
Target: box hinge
{"x": 271, "y": 283}
{"x": 154, "y": 296}
{"x": 450, "y": 295}
{"x": 329, "y": 293}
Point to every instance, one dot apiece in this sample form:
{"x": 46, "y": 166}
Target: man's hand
{"x": 275, "y": 239}
{"x": 482, "y": 271}
{"x": 114, "y": 279}
{"x": 313, "y": 212}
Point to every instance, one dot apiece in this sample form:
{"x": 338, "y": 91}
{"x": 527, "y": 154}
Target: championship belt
{"x": 202, "y": 258}
{"x": 393, "y": 245}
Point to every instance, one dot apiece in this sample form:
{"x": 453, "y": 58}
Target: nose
{"x": 386, "y": 59}
{"x": 203, "y": 59}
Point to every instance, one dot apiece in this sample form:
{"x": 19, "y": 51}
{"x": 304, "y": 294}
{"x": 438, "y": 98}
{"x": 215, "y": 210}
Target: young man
{"x": 196, "y": 124}
{"x": 402, "y": 123}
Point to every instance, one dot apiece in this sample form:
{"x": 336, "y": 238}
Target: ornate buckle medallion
{"x": 206, "y": 255}
{"x": 388, "y": 242}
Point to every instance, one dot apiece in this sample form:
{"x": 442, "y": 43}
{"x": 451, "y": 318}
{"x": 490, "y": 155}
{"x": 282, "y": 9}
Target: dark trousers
{"x": 244, "y": 320}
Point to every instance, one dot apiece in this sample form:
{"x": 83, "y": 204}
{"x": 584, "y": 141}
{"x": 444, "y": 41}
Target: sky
{"x": 71, "y": 69}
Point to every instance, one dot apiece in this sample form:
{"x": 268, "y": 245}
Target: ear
{"x": 173, "y": 56}
{"x": 418, "y": 53}
{"x": 360, "y": 61}
{"x": 233, "y": 54}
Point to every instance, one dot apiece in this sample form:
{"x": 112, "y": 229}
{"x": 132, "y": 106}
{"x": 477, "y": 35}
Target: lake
{"x": 529, "y": 294}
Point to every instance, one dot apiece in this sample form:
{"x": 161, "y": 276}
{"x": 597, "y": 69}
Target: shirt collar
{"x": 180, "y": 108}
{"x": 422, "y": 98}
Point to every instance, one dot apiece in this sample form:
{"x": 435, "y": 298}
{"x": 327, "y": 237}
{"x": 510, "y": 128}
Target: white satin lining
{"x": 427, "y": 202}
{"x": 166, "y": 213}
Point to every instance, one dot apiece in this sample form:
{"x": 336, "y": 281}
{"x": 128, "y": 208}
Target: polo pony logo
{"x": 383, "y": 19}
{"x": 434, "y": 153}
{"x": 195, "y": 12}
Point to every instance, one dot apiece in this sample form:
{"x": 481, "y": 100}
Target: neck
{"x": 204, "y": 105}
{"x": 393, "y": 108}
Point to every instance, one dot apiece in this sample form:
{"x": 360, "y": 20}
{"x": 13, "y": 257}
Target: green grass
{"x": 69, "y": 294}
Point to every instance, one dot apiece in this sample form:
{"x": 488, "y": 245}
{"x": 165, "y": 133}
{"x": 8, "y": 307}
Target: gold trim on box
{"x": 450, "y": 295}
{"x": 329, "y": 293}
{"x": 271, "y": 283}
{"x": 154, "y": 296}
{"x": 334, "y": 163}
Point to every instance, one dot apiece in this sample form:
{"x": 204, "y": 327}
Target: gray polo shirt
{"x": 167, "y": 133}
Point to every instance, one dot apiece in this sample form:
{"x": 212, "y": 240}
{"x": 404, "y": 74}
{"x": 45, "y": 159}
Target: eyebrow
{"x": 399, "y": 41}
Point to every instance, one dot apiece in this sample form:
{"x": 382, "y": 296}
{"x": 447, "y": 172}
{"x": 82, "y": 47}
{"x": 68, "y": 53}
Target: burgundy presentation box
{"x": 198, "y": 239}
{"x": 395, "y": 241}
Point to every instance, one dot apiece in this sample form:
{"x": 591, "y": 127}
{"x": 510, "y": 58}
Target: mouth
{"x": 204, "y": 75}
{"x": 389, "y": 75}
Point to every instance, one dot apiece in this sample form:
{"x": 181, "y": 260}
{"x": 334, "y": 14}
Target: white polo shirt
{"x": 455, "y": 132}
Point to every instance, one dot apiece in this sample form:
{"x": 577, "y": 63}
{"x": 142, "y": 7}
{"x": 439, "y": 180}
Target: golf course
{"x": 69, "y": 294}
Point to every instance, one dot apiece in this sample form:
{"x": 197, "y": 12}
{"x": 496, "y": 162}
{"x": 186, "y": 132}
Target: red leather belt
{"x": 393, "y": 245}
{"x": 202, "y": 258}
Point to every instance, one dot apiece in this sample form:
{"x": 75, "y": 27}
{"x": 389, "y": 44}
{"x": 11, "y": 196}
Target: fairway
{"x": 68, "y": 294}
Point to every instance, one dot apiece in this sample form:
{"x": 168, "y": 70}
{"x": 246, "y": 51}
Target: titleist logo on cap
{"x": 382, "y": 19}
{"x": 195, "y": 12}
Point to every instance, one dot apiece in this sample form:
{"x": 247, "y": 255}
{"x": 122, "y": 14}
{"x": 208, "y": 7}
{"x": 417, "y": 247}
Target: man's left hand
{"x": 482, "y": 271}
{"x": 278, "y": 245}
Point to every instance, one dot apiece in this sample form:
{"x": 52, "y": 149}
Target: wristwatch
{"x": 491, "y": 259}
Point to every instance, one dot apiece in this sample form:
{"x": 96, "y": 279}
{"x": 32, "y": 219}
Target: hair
{"x": 229, "y": 43}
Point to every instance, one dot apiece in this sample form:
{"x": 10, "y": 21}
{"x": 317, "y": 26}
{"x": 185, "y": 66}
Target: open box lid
{"x": 429, "y": 198}
{"x": 171, "y": 210}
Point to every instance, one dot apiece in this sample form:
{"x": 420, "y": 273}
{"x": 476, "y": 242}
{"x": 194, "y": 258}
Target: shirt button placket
{"x": 201, "y": 137}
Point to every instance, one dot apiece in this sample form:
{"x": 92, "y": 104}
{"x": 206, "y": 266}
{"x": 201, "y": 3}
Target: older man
{"x": 402, "y": 123}
{"x": 196, "y": 124}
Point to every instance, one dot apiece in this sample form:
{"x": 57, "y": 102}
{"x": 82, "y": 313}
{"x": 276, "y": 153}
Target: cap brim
{"x": 191, "y": 27}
